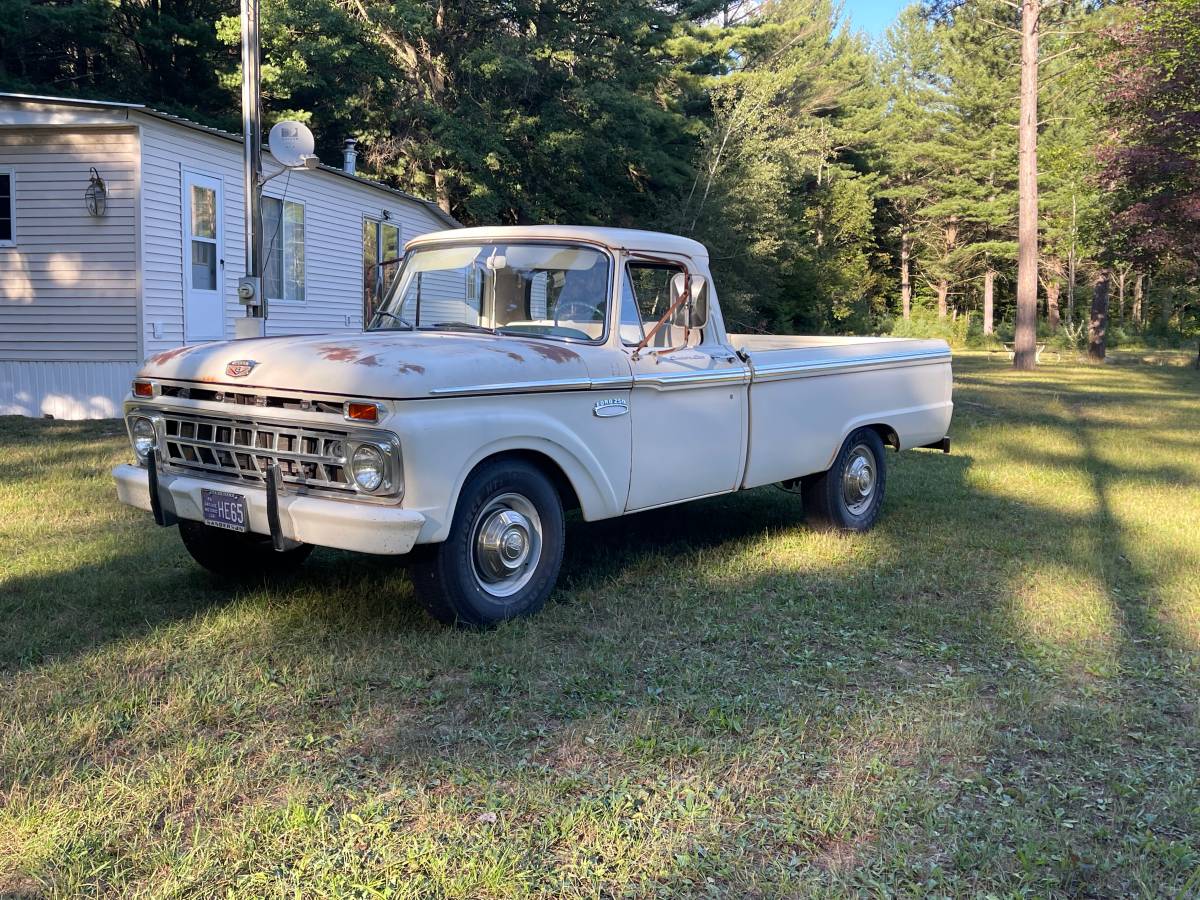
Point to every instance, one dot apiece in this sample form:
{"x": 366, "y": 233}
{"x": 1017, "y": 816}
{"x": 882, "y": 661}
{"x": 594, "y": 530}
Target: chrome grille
{"x": 244, "y": 448}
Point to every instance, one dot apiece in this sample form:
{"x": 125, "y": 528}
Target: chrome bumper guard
{"x": 163, "y": 505}
{"x": 161, "y": 502}
{"x": 274, "y": 489}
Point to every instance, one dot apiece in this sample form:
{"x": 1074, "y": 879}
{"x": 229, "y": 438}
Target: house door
{"x": 204, "y": 313}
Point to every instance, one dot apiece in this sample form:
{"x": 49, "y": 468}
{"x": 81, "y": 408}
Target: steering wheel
{"x": 595, "y": 309}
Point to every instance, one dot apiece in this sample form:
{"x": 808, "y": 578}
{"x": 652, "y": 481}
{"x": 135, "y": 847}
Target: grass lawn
{"x": 996, "y": 691}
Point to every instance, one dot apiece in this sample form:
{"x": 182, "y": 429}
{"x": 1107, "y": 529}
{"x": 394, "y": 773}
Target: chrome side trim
{"x": 786, "y": 371}
{"x": 610, "y": 383}
{"x": 516, "y": 387}
{"x": 692, "y": 379}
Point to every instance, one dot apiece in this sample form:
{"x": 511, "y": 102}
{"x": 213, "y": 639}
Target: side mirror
{"x": 694, "y": 312}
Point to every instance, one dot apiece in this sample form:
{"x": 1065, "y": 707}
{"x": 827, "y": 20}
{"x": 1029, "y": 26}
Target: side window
{"x": 645, "y": 296}
{"x": 283, "y": 246}
{"x": 8, "y": 207}
{"x": 381, "y": 262}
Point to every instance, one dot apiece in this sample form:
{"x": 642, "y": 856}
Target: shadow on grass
{"x": 721, "y": 636}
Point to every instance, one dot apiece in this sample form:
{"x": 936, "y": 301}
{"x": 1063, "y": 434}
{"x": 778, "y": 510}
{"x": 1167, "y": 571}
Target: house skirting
{"x": 64, "y": 390}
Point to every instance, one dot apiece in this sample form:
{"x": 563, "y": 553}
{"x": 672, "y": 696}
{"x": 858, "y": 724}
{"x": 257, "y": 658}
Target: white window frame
{"x": 11, "y": 172}
{"x": 379, "y": 223}
{"x": 284, "y": 201}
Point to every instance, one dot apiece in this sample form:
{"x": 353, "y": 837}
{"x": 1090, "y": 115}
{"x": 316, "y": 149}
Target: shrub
{"x": 925, "y": 323}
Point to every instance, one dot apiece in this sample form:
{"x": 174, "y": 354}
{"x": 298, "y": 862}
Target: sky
{"x": 873, "y": 16}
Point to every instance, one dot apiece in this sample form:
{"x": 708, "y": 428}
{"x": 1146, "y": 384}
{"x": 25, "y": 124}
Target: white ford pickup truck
{"x": 511, "y": 374}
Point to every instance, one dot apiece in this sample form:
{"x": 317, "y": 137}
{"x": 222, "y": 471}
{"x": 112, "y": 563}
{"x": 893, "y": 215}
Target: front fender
{"x": 444, "y": 440}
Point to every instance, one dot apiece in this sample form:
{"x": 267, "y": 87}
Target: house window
{"x": 8, "y": 207}
{"x": 381, "y": 262}
{"x": 283, "y": 231}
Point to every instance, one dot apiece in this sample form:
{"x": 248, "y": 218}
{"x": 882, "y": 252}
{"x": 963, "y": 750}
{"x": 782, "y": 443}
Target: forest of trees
{"x": 841, "y": 184}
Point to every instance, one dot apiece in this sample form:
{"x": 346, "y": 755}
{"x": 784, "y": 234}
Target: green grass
{"x": 994, "y": 692}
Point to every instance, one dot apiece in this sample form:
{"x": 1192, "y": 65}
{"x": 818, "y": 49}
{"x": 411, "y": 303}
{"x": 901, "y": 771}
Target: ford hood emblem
{"x": 239, "y": 368}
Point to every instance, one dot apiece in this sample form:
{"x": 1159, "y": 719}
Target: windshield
{"x": 548, "y": 290}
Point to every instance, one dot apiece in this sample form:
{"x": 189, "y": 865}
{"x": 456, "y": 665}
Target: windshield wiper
{"x": 462, "y": 326}
{"x": 391, "y": 315}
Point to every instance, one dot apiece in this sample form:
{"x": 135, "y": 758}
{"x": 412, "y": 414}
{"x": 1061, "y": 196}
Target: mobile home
{"x": 121, "y": 235}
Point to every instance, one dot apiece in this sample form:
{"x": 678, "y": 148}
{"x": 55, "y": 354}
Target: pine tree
{"x": 908, "y": 133}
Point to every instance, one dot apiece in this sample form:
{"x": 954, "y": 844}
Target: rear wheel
{"x": 233, "y": 554}
{"x": 504, "y": 551}
{"x": 848, "y": 496}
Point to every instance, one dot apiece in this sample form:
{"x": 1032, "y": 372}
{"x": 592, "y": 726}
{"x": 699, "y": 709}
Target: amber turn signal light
{"x": 362, "y": 412}
{"x": 143, "y": 389}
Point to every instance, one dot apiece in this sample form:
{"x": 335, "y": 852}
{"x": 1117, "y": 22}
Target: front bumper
{"x": 346, "y": 525}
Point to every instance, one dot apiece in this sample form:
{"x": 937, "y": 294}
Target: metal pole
{"x": 250, "y": 290}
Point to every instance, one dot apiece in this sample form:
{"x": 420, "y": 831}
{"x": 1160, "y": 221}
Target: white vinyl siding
{"x": 69, "y": 284}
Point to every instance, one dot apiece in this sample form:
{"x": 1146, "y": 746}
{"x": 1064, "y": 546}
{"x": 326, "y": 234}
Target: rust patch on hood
{"x": 334, "y": 353}
{"x": 410, "y": 369}
{"x": 552, "y": 352}
{"x": 338, "y": 354}
{"x": 167, "y": 355}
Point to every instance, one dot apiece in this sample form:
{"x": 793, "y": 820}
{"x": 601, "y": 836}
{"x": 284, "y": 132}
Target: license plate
{"x": 224, "y": 510}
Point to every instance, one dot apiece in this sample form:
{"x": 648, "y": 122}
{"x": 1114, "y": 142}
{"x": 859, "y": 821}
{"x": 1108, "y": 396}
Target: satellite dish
{"x": 291, "y": 143}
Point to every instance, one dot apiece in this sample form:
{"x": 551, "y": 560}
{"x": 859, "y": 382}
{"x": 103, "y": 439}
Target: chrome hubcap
{"x": 507, "y": 544}
{"x": 858, "y": 479}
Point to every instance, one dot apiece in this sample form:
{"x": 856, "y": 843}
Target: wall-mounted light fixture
{"x": 95, "y": 198}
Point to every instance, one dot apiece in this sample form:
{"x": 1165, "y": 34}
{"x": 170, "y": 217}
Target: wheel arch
{"x": 576, "y": 484}
{"x": 887, "y": 433}
{"x": 540, "y": 460}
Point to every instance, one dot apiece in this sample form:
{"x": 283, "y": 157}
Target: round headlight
{"x": 369, "y": 467}
{"x": 143, "y": 437}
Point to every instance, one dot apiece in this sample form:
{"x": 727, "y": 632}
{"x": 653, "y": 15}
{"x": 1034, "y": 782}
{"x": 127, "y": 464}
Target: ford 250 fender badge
{"x": 606, "y": 409}
{"x": 239, "y": 368}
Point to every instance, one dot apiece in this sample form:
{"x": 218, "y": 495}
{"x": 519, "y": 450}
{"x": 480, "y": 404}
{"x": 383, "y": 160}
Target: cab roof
{"x": 613, "y": 238}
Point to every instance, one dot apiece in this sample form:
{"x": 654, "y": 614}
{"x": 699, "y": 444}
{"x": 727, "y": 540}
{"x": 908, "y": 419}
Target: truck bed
{"x": 815, "y": 347}
{"x": 808, "y": 393}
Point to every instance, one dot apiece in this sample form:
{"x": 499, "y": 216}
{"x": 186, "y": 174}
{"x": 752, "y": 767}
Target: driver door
{"x": 688, "y": 404}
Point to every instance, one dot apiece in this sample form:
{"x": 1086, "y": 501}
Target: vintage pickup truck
{"x": 511, "y": 374}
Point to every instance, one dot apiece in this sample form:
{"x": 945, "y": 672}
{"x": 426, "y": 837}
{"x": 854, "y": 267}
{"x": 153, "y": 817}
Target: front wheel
{"x": 504, "y": 551}
{"x": 848, "y": 496}
{"x": 233, "y": 554}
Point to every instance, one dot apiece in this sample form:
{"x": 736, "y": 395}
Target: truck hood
{"x": 379, "y": 365}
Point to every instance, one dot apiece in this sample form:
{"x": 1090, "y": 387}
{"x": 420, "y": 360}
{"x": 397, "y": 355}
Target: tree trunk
{"x": 1071, "y": 257}
{"x": 989, "y": 292}
{"x": 943, "y": 291}
{"x": 1098, "y": 326}
{"x": 1167, "y": 308}
{"x": 1122, "y": 275}
{"x": 1025, "y": 338}
{"x": 1052, "y": 291}
{"x": 441, "y": 190}
{"x": 905, "y": 284}
{"x": 1137, "y": 300}
{"x": 1071, "y": 290}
